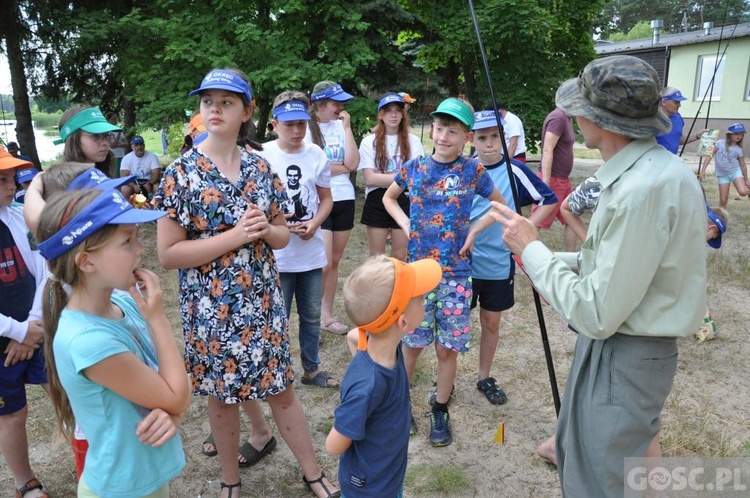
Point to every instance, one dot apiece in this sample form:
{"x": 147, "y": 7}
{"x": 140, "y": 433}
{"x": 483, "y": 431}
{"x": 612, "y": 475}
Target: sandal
{"x": 321, "y": 379}
{"x": 334, "y": 327}
{"x": 231, "y": 487}
{"x": 33, "y": 484}
{"x": 253, "y": 456}
{"x": 319, "y": 480}
{"x": 209, "y": 440}
{"x": 492, "y": 391}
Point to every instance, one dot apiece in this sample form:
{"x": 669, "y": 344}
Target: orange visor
{"x": 411, "y": 280}
{"x": 197, "y": 124}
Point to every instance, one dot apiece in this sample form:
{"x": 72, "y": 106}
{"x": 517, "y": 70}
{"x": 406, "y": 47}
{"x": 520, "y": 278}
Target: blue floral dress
{"x": 233, "y": 317}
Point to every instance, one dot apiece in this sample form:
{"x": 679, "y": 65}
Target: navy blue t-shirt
{"x": 374, "y": 413}
{"x": 17, "y": 284}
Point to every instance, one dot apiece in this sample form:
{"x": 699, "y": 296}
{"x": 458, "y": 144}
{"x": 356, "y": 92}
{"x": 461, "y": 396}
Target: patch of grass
{"x": 436, "y": 480}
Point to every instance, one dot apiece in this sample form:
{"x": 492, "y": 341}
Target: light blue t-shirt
{"x": 117, "y": 463}
{"x": 491, "y": 257}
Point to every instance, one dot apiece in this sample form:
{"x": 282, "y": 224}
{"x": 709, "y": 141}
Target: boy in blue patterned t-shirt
{"x": 441, "y": 190}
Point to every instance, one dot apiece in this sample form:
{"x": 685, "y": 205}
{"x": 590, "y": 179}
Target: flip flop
{"x": 335, "y": 327}
{"x": 209, "y": 440}
{"x": 253, "y": 456}
{"x": 320, "y": 380}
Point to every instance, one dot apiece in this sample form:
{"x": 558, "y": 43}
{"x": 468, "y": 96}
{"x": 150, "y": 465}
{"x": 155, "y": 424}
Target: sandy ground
{"x": 705, "y": 415}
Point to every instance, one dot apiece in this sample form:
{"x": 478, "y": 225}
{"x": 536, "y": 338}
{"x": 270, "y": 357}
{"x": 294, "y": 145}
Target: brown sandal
{"x": 30, "y": 485}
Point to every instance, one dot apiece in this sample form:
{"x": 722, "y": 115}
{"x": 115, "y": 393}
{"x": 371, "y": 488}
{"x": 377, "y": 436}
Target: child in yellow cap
{"x": 385, "y": 298}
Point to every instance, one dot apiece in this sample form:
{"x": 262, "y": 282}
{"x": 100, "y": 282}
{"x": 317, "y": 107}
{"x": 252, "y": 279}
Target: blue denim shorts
{"x": 724, "y": 179}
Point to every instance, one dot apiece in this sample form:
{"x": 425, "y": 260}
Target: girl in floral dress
{"x": 224, "y": 218}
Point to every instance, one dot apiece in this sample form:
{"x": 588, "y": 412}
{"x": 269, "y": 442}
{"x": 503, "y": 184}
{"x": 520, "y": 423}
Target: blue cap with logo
{"x": 223, "y": 79}
{"x": 391, "y": 98}
{"x": 486, "y": 119}
{"x": 109, "y": 208}
{"x": 334, "y": 92}
{"x": 737, "y": 128}
{"x": 26, "y": 174}
{"x": 294, "y": 110}
{"x": 716, "y": 241}
{"x": 136, "y": 140}
{"x": 93, "y": 178}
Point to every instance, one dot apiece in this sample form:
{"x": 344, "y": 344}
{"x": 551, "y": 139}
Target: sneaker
{"x": 440, "y": 429}
{"x": 433, "y": 396}
{"x": 413, "y": 426}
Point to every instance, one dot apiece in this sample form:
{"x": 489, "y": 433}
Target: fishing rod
{"x": 514, "y": 190}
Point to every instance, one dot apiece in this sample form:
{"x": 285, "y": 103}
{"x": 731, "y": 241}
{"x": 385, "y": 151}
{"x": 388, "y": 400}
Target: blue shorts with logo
{"x": 447, "y": 316}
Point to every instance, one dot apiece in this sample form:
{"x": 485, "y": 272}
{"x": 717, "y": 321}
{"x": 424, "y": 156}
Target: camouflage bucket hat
{"x": 618, "y": 94}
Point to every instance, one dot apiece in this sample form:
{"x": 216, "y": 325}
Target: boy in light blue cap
{"x": 492, "y": 268}
{"x": 441, "y": 190}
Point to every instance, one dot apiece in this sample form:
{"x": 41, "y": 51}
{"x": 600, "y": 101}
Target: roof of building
{"x": 689, "y": 38}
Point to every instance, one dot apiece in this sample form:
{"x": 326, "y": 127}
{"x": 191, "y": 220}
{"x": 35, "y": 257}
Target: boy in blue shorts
{"x": 384, "y": 297}
{"x": 23, "y": 272}
{"x": 492, "y": 268}
{"x": 441, "y": 189}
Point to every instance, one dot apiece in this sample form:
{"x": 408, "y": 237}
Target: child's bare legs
{"x": 292, "y": 424}
{"x": 376, "y": 242}
{"x": 446, "y": 374}
{"x": 723, "y": 195}
{"x": 14, "y": 446}
{"x": 410, "y": 359}
{"x": 225, "y": 426}
{"x": 490, "y": 322}
{"x": 571, "y": 239}
{"x": 335, "y": 243}
{"x": 739, "y": 185}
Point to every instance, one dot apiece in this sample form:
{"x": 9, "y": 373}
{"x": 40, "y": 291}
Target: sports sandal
{"x": 30, "y": 485}
{"x": 321, "y": 379}
{"x": 319, "y": 480}
{"x": 334, "y": 327}
{"x": 492, "y": 391}
{"x": 209, "y": 440}
{"x": 231, "y": 487}
{"x": 253, "y": 456}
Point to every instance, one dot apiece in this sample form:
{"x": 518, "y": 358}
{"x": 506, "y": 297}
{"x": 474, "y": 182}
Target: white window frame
{"x": 703, "y": 73}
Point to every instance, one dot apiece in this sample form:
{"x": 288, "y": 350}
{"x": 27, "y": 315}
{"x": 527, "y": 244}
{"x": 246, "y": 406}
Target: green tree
{"x": 641, "y": 29}
{"x": 532, "y": 46}
{"x": 622, "y": 15}
{"x": 16, "y": 34}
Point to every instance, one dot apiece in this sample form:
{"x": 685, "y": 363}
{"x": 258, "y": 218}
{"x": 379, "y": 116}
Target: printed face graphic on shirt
{"x": 299, "y": 196}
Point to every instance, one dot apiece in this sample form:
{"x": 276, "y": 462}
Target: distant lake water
{"x": 45, "y": 147}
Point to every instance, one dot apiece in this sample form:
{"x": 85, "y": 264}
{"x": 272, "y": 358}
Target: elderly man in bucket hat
{"x": 641, "y": 276}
